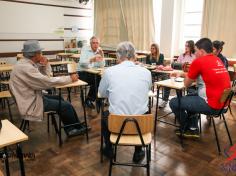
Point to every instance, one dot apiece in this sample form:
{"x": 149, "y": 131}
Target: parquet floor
{"x": 78, "y": 158}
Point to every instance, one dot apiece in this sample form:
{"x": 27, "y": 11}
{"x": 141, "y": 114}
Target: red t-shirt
{"x": 214, "y": 75}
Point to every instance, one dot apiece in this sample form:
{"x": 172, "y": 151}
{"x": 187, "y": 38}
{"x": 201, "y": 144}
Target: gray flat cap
{"x": 31, "y": 46}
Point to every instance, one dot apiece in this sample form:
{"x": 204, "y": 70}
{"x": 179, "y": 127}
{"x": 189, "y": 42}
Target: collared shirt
{"x": 126, "y": 85}
{"x": 186, "y": 58}
{"x": 86, "y": 54}
{"x": 26, "y": 84}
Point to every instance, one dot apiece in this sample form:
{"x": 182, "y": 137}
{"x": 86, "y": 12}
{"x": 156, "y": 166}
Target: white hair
{"x": 94, "y": 37}
{"x": 125, "y": 50}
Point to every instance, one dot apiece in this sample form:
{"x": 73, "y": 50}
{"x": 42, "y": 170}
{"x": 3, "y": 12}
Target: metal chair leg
{"x": 111, "y": 162}
{"x": 216, "y": 135}
{"x": 227, "y": 129}
{"x": 48, "y": 124}
{"x": 9, "y": 110}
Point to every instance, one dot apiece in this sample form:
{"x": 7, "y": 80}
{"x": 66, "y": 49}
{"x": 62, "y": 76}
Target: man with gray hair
{"x": 29, "y": 77}
{"x": 91, "y": 57}
{"x": 123, "y": 85}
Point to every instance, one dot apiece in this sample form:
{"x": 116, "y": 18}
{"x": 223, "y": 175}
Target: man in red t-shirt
{"x": 212, "y": 78}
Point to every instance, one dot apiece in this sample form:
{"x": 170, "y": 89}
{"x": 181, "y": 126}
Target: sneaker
{"x": 138, "y": 156}
{"x": 107, "y": 152}
{"x": 188, "y": 133}
{"x": 163, "y": 104}
{"x": 75, "y": 132}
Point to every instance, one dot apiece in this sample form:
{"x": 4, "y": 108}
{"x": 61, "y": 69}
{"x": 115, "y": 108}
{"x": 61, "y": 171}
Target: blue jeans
{"x": 68, "y": 114}
{"x": 190, "y": 105}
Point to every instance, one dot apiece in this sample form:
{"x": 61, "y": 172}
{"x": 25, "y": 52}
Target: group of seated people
{"x": 126, "y": 85}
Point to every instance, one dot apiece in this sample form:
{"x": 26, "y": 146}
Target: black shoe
{"x": 89, "y": 104}
{"x": 107, "y": 152}
{"x": 138, "y": 156}
{"x": 84, "y": 126}
{"x": 76, "y": 132}
{"x": 189, "y": 133}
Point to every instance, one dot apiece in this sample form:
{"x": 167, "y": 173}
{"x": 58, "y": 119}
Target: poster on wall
{"x": 70, "y": 43}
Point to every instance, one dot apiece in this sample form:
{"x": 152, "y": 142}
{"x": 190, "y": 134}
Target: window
{"x": 192, "y": 20}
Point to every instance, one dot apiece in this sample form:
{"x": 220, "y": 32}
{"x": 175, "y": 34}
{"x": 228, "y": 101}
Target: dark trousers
{"x": 106, "y": 133}
{"x": 68, "y": 113}
{"x": 90, "y": 79}
{"x": 190, "y": 105}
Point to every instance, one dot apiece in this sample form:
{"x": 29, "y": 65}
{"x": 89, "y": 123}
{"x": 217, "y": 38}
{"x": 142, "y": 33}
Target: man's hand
{"x": 43, "y": 61}
{"x": 74, "y": 77}
{"x": 186, "y": 66}
{"x": 96, "y": 58}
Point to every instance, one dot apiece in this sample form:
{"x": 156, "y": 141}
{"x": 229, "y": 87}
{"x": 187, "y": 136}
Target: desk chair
{"x": 131, "y": 130}
{"x": 226, "y": 98}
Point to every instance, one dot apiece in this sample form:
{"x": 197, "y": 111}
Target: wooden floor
{"x": 78, "y": 158}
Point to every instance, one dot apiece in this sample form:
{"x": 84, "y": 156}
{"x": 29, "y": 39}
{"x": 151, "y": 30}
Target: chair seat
{"x": 4, "y": 82}
{"x": 5, "y": 94}
{"x": 131, "y": 139}
{"x": 50, "y": 112}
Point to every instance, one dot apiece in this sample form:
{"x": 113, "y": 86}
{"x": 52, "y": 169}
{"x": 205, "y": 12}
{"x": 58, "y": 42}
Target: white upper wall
{"x": 43, "y": 22}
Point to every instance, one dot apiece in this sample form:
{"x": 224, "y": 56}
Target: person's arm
{"x": 103, "y": 86}
{"x": 33, "y": 78}
{"x": 44, "y": 67}
{"x": 148, "y": 60}
{"x": 161, "y": 59}
{"x": 84, "y": 57}
{"x": 193, "y": 73}
{"x": 188, "y": 82}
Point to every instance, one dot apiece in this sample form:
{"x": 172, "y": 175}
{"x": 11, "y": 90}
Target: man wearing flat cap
{"x": 29, "y": 77}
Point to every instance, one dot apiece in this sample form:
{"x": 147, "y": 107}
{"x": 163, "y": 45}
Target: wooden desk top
{"x": 109, "y": 58}
{"x": 140, "y": 56}
{"x": 6, "y": 67}
{"x": 5, "y": 94}
{"x": 167, "y": 72}
{"x": 74, "y": 84}
{"x": 75, "y": 56}
{"x": 171, "y": 84}
{"x": 60, "y": 63}
{"x": 64, "y": 54}
{"x": 99, "y": 71}
{"x": 150, "y": 67}
{"x": 10, "y": 134}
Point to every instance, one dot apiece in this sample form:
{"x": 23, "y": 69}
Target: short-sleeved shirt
{"x": 214, "y": 75}
{"x": 126, "y": 86}
{"x": 86, "y": 54}
{"x": 186, "y": 58}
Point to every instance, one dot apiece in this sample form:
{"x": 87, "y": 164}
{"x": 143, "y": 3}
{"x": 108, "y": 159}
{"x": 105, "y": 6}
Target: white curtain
{"x": 219, "y": 23}
{"x": 119, "y": 20}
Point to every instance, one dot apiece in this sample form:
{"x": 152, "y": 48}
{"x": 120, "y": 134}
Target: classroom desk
{"x": 110, "y": 61}
{"x": 96, "y": 72}
{"x": 60, "y": 68}
{"x": 10, "y": 135}
{"x": 169, "y": 83}
{"x": 82, "y": 85}
{"x": 75, "y": 57}
{"x": 63, "y": 55}
{"x": 6, "y": 67}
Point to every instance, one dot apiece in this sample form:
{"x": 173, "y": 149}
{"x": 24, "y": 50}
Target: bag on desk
{"x": 177, "y": 66}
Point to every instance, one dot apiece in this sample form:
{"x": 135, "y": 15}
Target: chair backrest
{"x": 225, "y": 95}
{"x": 226, "y": 98}
{"x": 145, "y": 123}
